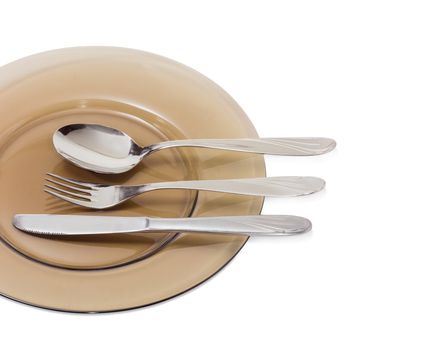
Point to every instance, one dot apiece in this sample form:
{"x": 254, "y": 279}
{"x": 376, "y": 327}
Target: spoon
{"x": 105, "y": 150}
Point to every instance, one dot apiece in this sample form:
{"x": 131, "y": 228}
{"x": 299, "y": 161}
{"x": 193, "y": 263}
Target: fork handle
{"x": 256, "y": 225}
{"x": 267, "y": 186}
{"x": 297, "y": 146}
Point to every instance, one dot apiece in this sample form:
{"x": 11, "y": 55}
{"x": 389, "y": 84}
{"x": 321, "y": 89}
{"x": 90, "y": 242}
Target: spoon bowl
{"x": 98, "y": 148}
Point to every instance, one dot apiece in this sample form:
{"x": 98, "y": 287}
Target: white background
{"x": 362, "y": 72}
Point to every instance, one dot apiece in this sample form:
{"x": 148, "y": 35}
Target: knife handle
{"x": 256, "y": 225}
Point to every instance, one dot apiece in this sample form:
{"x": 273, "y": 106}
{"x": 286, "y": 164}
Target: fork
{"x": 101, "y": 196}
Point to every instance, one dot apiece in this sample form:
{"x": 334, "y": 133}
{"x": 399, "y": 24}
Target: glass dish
{"x": 152, "y": 99}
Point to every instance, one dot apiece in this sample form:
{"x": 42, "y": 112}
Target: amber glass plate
{"x": 152, "y": 99}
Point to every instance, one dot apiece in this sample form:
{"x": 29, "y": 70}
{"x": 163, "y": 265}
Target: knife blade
{"x": 78, "y": 224}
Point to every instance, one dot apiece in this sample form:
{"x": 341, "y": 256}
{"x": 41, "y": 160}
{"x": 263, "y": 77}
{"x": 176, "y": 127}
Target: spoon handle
{"x": 282, "y": 186}
{"x": 296, "y": 146}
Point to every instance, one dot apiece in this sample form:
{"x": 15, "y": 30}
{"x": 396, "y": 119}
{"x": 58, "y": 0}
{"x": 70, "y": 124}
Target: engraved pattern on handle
{"x": 281, "y": 186}
{"x": 256, "y": 225}
{"x": 297, "y": 146}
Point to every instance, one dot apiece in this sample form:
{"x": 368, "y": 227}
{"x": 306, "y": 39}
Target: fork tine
{"x": 76, "y": 182}
{"x": 70, "y": 186}
{"x": 68, "y": 192}
{"x": 68, "y": 199}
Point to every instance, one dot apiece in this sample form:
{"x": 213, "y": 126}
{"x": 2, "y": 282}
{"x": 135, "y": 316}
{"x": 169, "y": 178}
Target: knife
{"x": 47, "y": 224}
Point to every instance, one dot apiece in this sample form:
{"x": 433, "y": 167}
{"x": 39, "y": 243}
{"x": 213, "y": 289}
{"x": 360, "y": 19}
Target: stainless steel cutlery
{"x": 101, "y": 196}
{"x": 109, "y": 151}
{"x": 41, "y": 224}
{"x": 106, "y": 150}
